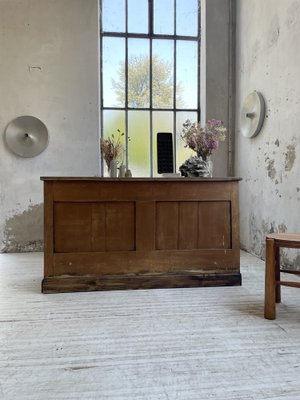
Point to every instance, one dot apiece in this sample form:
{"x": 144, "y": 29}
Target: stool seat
{"x": 294, "y": 238}
{"x": 274, "y": 242}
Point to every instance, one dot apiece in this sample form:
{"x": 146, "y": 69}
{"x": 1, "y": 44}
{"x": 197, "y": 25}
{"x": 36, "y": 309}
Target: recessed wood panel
{"x": 214, "y": 229}
{"x": 120, "y": 226}
{"x": 98, "y": 239}
{"x": 193, "y": 225}
{"x": 145, "y": 225}
{"x": 91, "y": 227}
{"x": 188, "y": 225}
{"x": 72, "y": 227}
{"x": 167, "y": 225}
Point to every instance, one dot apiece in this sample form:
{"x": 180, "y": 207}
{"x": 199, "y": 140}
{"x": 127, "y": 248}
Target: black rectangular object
{"x": 165, "y": 153}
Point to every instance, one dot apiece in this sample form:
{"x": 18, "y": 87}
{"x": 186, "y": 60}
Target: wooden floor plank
{"x": 186, "y": 344}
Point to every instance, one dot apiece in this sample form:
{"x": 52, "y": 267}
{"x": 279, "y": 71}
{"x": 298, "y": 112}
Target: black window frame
{"x": 150, "y": 36}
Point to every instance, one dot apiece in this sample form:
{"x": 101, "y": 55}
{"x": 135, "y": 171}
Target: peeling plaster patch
{"x": 258, "y": 230}
{"x": 277, "y": 142}
{"x": 274, "y": 31}
{"x": 298, "y": 189}
{"x": 255, "y": 236}
{"x": 290, "y": 258}
{"x": 278, "y": 193}
{"x": 293, "y": 13}
{"x": 296, "y": 263}
{"x": 271, "y": 169}
{"x": 24, "y": 232}
{"x": 282, "y": 228}
{"x": 290, "y": 157}
{"x": 258, "y": 234}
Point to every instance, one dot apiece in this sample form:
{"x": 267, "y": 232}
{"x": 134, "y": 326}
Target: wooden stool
{"x": 272, "y": 281}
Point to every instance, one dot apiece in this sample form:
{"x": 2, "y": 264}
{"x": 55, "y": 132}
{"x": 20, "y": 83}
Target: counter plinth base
{"x": 116, "y": 282}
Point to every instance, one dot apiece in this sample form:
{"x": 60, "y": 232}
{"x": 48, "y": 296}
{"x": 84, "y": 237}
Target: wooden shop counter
{"x": 103, "y": 234}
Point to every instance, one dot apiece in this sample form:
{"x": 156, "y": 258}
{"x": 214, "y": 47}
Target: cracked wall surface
{"x": 48, "y": 69}
{"x": 24, "y": 231}
{"x": 268, "y": 59}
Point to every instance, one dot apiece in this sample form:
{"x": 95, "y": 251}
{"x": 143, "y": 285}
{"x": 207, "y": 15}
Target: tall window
{"x": 150, "y": 68}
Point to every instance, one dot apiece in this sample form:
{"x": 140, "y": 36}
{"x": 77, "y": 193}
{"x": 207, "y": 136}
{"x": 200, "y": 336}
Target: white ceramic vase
{"x": 113, "y": 170}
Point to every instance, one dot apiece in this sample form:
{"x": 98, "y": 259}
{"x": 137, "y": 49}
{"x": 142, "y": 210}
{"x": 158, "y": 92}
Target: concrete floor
{"x": 175, "y": 344}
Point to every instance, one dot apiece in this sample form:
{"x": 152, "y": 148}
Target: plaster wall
{"x": 48, "y": 69}
{"x": 268, "y": 59}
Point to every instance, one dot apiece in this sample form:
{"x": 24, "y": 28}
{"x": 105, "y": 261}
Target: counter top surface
{"x": 164, "y": 179}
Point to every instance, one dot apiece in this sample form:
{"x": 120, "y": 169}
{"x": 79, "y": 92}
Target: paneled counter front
{"x": 103, "y": 234}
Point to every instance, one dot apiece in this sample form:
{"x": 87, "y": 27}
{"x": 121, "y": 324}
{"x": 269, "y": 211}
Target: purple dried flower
{"x": 203, "y": 139}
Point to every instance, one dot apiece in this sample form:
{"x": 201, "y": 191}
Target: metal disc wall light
{"x": 253, "y": 114}
{"x": 26, "y": 136}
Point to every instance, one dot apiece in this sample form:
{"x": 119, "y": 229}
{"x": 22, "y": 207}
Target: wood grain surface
{"x": 99, "y": 227}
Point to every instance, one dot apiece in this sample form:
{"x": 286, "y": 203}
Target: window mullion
{"x": 199, "y": 61}
{"x": 126, "y": 85}
{"x": 150, "y": 27}
{"x": 101, "y": 84}
{"x": 198, "y": 82}
{"x": 150, "y": 17}
{"x": 174, "y": 90}
{"x": 151, "y": 104}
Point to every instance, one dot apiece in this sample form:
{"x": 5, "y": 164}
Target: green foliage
{"x": 139, "y": 83}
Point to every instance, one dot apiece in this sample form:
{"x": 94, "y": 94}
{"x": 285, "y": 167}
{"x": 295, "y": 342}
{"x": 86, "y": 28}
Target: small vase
{"x": 210, "y": 167}
{"x": 195, "y": 167}
{"x": 122, "y": 170}
{"x": 113, "y": 169}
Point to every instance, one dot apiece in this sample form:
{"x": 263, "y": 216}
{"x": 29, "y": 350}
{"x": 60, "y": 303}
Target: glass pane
{"x": 139, "y": 143}
{"x": 112, "y": 121}
{"x": 113, "y": 13}
{"x": 113, "y": 72}
{"x": 162, "y": 122}
{"x": 164, "y": 17}
{"x": 187, "y": 74}
{"x": 138, "y": 16}
{"x": 183, "y": 153}
{"x": 162, "y": 73}
{"x": 187, "y": 17}
{"x": 138, "y": 73}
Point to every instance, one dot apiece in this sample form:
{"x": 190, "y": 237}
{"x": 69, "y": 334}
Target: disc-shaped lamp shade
{"x": 253, "y": 114}
{"x": 26, "y": 136}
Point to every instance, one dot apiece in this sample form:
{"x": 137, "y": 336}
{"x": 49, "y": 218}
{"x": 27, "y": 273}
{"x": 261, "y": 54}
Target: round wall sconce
{"x": 253, "y": 114}
{"x": 26, "y": 136}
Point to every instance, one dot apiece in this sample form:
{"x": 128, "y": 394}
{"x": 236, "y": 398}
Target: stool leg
{"x": 277, "y": 274}
{"x": 270, "y": 283}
